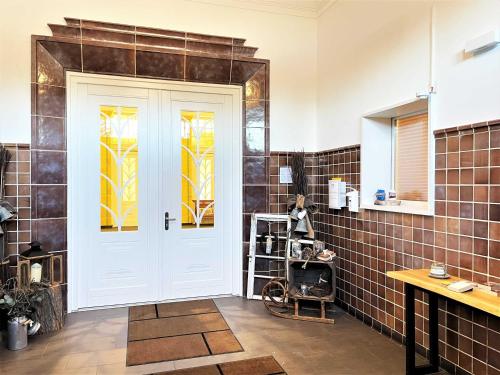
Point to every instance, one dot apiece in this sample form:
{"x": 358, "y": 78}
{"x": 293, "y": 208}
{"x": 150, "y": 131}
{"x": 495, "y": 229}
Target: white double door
{"x": 150, "y": 181}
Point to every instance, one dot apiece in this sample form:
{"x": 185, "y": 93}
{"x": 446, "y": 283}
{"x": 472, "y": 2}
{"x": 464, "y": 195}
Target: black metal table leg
{"x": 411, "y": 369}
{"x": 433, "y": 332}
{"x": 410, "y": 328}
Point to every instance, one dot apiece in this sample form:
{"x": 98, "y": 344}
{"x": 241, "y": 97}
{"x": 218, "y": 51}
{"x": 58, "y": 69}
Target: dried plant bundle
{"x": 299, "y": 176}
{"x": 5, "y": 157}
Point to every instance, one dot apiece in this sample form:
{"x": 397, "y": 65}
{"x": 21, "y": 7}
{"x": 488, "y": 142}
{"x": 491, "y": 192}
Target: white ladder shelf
{"x": 252, "y": 256}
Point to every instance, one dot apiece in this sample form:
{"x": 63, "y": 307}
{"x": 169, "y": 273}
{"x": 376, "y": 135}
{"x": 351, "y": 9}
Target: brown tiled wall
{"x": 463, "y": 233}
{"x": 17, "y": 192}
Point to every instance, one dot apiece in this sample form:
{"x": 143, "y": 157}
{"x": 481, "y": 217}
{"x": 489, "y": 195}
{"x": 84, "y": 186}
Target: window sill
{"x": 406, "y": 207}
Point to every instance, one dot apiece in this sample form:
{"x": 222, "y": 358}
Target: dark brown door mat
{"x": 175, "y": 326}
{"x": 166, "y": 310}
{"x": 142, "y": 312}
{"x": 253, "y": 366}
{"x": 158, "y": 333}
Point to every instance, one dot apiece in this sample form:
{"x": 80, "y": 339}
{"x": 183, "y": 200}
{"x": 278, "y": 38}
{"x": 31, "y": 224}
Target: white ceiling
{"x": 301, "y": 8}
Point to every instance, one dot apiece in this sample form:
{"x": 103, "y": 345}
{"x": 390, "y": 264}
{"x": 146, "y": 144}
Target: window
{"x": 396, "y": 153}
{"x": 198, "y": 164}
{"x": 119, "y": 168}
{"x": 411, "y": 156}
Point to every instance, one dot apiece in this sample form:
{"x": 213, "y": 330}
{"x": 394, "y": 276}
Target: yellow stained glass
{"x": 198, "y": 168}
{"x": 119, "y": 168}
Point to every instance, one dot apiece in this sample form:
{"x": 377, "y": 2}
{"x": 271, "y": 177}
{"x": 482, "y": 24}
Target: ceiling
{"x": 301, "y": 8}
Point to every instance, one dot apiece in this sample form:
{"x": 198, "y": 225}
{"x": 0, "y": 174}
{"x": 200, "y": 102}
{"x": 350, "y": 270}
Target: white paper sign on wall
{"x": 285, "y": 175}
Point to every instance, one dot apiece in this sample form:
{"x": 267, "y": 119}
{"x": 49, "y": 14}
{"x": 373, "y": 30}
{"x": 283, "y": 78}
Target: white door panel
{"x": 198, "y": 258}
{"x": 119, "y": 261}
{"x": 152, "y": 157}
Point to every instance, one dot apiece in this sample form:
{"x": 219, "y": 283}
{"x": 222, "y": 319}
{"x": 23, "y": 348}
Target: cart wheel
{"x": 274, "y": 293}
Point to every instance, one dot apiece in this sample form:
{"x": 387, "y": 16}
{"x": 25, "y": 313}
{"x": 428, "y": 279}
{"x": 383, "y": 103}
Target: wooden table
{"x": 419, "y": 279}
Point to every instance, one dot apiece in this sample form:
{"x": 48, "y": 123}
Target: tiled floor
{"x": 94, "y": 342}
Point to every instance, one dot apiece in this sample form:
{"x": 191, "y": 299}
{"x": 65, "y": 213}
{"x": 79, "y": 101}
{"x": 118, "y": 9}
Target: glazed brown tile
{"x": 244, "y": 51}
{"x": 452, "y": 144}
{"x": 481, "y": 211}
{"x": 467, "y": 176}
{"x": 466, "y": 210}
{"x": 209, "y": 38}
{"x": 242, "y": 71}
{"x": 494, "y": 212}
{"x": 452, "y": 176}
{"x": 108, "y": 60}
{"x": 48, "y": 167}
{"x": 254, "y": 142}
{"x": 466, "y": 159}
{"x": 72, "y": 21}
{"x": 48, "y": 70}
{"x": 220, "y": 50}
{"x": 481, "y": 175}
{"x": 48, "y": 133}
{"x": 65, "y": 31}
{"x": 255, "y": 114}
{"x": 440, "y": 177}
{"x": 481, "y": 229}
{"x": 452, "y": 209}
{"x": 481, "y": 140}
{"x": 466, "y": 193}
{"x": 481, "y": 158}
{"x": 155, "y": 41}
{"x": 495, "y": 139}
{"x": 255, "y": 199}
{"x": 255, "y": 87}
{"x": 452, "y": 160}
{"x": 51, "y": 233}
{"x": 204, "y": 69}
{"x": 466, "y": 142}
{"x": 452, "y": 193}
{"x": 440, "y": 147}
{"x": 106, "y": 25}
{"x": 160, "y": 65}
{"x": 162, "y": 32}
{"x": 255, "y": 170}
{"x": 494, "y": 195}
{"x": 495, "y": 157}
{"x": 50, "y": 100}
{"x": 48, "y": 201}
{"x": 107, "y": 35}
{"x": 68, "y": 55}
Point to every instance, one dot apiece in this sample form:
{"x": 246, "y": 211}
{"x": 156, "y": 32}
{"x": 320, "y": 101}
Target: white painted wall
{"x": 373, "y": 54}
{"x": 359, "y": 56}
{"x": 288, "y": 41}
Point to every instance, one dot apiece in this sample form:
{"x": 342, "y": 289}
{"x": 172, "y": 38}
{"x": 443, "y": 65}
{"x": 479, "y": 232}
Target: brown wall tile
{"x": 108, "y": 60}
{"x": 160, "y": 65}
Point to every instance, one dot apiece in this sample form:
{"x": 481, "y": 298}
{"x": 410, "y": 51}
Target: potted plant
{"x": 19, "y": 305}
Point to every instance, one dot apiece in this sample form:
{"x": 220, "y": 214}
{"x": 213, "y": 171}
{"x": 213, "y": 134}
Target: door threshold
{"x": 107, "y": 307}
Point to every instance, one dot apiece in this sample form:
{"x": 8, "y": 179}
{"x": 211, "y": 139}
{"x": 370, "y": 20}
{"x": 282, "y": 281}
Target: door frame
{"x": 73, "y": 79}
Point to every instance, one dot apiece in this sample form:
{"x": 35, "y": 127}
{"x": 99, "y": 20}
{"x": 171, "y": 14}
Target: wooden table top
{"x": 474, "y": 298}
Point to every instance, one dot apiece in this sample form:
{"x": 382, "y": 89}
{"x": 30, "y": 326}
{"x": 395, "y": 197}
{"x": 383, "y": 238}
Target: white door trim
{"x": 73, "y": 79}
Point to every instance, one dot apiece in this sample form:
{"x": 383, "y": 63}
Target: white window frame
{"x": 378, "y": 155}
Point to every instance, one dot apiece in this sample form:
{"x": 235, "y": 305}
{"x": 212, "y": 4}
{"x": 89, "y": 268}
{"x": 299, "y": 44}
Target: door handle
{"x": 168, "y": 220}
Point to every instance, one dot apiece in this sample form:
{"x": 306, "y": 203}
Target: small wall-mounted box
{"x": 483, "y": 43}
{"x": 336, "y": 194}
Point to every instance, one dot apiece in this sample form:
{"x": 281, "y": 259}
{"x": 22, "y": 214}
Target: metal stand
{"x": 433, "y": 365}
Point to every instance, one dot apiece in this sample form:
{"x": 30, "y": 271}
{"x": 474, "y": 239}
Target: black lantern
{"x": 37, "y": 265}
